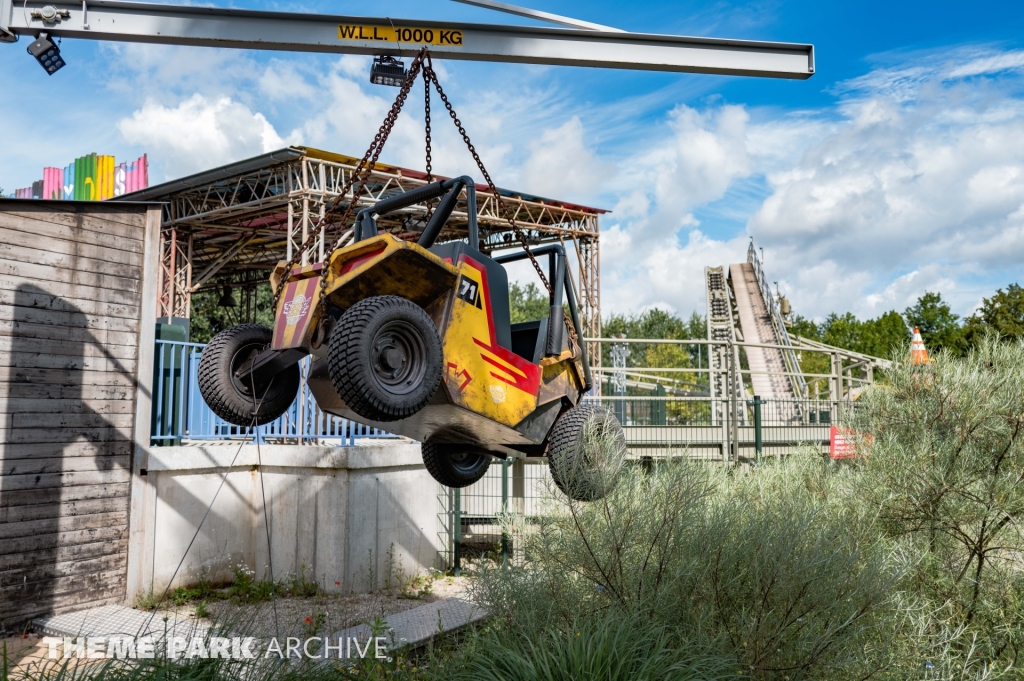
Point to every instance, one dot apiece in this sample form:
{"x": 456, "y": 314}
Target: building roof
{"x": 224, "y": 172}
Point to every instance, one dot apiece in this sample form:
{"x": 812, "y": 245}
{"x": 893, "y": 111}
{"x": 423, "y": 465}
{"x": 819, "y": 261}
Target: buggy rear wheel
{"x": 385, "y": 358}
{"x": 453, "y": 465}
{"x": 236, "y": 401}
{"x": 586, "y": 449}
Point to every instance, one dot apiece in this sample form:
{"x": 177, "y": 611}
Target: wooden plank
{"x": 45, "y": 577}
{"x": 21, "y": 612}
{"x": 55, "y": 495}
{"x": 72, "y": 291}
{"x": 15, "y": 483}
{"x": 120, "y": 213}
{"x": 62, "y": 553}
{"x": 53, "y": 571}
{"x": 48, "y": 301}
{"x": 78, "y": 320}
{"x": 17, "y": 240}
{"x": 59, "y": 377}
{"x": 18, "y": 329}
{"x": 58, "y": 588}
{"x": 33, "y": 528}
{"x": 46, "y": 346}
{"x": 109, "y": 434}
{"x": 34, "y": 250}
{"x": 60, "y": 464}
{"x": 48, "y": 542}
{"x": 42, "y": 273}
{"x": 84, "y": 228}
{"x": 26, "y": 406}
{"x": 35, "y": 360}
{"x": 35, "y": 421}
{"x": 65, "y": 450}
{"x": 44, "y": 391}
{"x": 56, "y": 510}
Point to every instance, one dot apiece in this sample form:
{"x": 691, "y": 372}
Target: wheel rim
{"x": 398, "y": 357}
{"x": 466, "y": 463}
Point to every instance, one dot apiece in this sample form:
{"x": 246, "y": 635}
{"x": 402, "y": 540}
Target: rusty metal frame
{"x": 257, "y": 217}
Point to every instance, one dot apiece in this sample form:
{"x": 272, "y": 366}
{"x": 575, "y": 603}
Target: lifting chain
{"x": 428, "y": 70}
{"x": 358, "y": 179}
{"x": 426, "y": 128}
{"x": 357, "y": 183}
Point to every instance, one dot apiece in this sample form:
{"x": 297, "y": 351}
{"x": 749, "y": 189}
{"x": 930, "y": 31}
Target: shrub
{"x": 945, "y": 467}
{"x": 775, "y": 570}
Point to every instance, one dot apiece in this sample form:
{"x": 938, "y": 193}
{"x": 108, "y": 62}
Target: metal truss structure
{"x": 250, "y": 215}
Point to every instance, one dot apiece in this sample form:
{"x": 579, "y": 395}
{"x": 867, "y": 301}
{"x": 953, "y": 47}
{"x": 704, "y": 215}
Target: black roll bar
{"x": 366, "y": 225}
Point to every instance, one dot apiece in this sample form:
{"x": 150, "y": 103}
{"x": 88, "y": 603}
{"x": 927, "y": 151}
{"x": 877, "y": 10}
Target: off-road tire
{"x": 571, "y": 465}
{"x": 454, "y": 467}
{"x": 232, "y": 399}
{"x": 385, "y": 358}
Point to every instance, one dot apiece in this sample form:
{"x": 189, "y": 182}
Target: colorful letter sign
{"x": 90, "y": 178}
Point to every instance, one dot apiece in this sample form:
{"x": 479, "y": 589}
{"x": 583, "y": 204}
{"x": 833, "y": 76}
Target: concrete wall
{"x": 336, "y": 510}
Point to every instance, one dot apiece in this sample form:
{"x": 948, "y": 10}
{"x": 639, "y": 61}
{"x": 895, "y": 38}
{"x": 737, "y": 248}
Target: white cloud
{"x": 912, "y": 181}
{"x": 561, "y": 165}
{"x": 199, "y": 133}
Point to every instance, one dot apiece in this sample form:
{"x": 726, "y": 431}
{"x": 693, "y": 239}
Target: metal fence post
{"x": 734, "y": 416}
{"x": 456, "y": 535}
{"x": 504, "y": 510}
{"x": 757, "y": 428}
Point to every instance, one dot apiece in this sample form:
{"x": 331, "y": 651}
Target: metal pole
{"x": 457, "y": 551}
{"x": 504, "y": 510}
{"x": 734, "y": 415}
{"x": 757, "y": 428}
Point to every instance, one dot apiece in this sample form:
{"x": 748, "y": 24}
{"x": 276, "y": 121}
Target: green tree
{"x": 209, "y": 318}
{"x": 940, "y": 327}
{"x": 805, "y": 328}
{"x": 527, "y": 303}
{"x": 885, "y": 335}
{"x": 1002, "y": 313}
{"x": 875, "y": 337}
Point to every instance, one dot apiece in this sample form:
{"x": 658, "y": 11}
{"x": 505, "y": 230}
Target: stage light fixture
{"x": 47, "y": 54}
{"x": 387, "y": 71}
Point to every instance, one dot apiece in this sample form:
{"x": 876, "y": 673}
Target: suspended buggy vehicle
{"x": 417, "y": 340}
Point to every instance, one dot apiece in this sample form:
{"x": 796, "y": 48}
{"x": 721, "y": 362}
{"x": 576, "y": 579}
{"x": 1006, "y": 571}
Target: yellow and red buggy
{"x": 417, "y": 340}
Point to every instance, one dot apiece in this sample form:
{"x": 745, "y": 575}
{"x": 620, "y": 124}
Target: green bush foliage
{"x": 945, "y": 470}
{"x": 902, "y": 564}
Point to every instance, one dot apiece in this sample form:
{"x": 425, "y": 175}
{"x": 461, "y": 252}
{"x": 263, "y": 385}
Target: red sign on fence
{"x": 840, "y": 444}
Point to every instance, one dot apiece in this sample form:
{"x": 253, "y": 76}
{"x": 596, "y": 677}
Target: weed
{"x": 247, "y": 589}
{"x": 201, "y": 610}
{"x": 147, "y": 600}
{"x": 302, "y": 586}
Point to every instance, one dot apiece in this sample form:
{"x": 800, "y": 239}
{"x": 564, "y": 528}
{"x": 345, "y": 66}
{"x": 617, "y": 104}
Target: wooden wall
{"x": 75, "y": 339}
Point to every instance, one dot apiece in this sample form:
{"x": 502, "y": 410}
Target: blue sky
{"x": 898, "y": 168}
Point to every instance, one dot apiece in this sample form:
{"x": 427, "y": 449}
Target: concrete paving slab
{"x": 414, "y": 628}
{"x": 119, "y": 620}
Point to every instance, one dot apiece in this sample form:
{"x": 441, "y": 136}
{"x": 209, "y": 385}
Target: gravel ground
{"x": 322, "y": 614}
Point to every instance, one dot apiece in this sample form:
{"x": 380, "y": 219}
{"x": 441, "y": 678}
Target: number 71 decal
{"x": 469, "y": 291}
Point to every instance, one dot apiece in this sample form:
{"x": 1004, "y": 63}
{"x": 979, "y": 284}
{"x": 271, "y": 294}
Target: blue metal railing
{"x": 179, "y": 412}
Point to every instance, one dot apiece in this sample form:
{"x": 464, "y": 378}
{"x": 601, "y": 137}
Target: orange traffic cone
{"x": 918, "y": 353}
